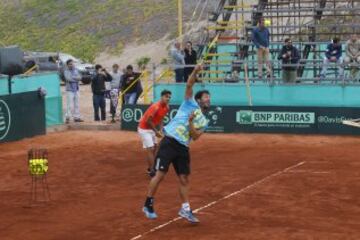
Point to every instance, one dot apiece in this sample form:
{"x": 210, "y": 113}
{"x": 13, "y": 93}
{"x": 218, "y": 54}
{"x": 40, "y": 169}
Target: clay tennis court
{"x": 245, "y": 186}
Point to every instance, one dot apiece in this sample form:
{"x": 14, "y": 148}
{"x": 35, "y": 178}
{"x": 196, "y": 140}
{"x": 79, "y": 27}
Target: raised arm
{"x": 191, "y": 82}
{"x": 108, "y": 76}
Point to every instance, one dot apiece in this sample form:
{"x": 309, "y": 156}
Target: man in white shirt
{"x": 114, "y": 90}
{"x": 178, "y": 61}
{"x": 72, "y": 79}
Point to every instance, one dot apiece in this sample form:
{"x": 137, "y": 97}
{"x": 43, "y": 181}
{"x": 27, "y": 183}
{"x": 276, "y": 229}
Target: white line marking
{"x": 221, "y": 199}
{"x": 310, "y": 172}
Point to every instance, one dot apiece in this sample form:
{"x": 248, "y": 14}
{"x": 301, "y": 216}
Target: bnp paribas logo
{"x": 5, "y": 119}
{"x": 244, "y": 117}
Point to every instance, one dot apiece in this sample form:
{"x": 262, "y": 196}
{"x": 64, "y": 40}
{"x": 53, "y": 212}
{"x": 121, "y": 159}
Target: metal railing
{"x": 226, "y": 75}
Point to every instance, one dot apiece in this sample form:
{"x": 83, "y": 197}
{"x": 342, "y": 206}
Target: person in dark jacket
{"x": 130, "y": 89}
{"x": 333, "y": 55}
{"x": 190, "y": 59}
{"x": 289, "y": 55}
{"x": 261, "y": 39}
{"x": 98, "y": 89}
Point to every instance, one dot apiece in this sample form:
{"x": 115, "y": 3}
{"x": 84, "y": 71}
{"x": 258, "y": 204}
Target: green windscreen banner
{"x": 267, "y": 119}
{"x": 21, "y": 115}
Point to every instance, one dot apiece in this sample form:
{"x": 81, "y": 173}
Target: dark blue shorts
{"x": 172, "y": 152}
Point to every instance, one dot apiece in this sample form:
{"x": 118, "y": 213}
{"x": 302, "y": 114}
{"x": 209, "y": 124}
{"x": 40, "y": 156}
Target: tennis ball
{"x": 32, "y": 166}
{"x": 46, "y": 166}
{"x": 267, "y": 22}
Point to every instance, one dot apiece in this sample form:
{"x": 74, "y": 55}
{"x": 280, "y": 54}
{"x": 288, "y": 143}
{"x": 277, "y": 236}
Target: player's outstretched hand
{"x": 198, "y": 68}
{"x": 159, "y": 134}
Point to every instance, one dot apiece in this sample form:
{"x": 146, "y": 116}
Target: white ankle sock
{"x": 186, "y": 206}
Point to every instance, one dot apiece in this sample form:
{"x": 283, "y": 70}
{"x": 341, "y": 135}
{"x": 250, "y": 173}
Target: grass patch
{"x": 83, "y": 28}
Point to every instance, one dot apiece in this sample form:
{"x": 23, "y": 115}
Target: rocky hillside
{"x": 86, "y": 28}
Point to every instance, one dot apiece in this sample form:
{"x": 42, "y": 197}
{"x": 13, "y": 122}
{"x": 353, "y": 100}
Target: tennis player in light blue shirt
{"x": 188, "y": 124}
{"x": 179, "y": 127}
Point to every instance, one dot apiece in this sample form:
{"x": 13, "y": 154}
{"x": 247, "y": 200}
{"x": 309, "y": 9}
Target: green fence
{"x": 53, "y": 99}
{"x": 4, "y": 85}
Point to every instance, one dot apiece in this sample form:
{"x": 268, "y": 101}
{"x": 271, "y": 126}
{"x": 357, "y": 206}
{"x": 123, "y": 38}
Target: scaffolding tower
{"x": 310, "y": 23}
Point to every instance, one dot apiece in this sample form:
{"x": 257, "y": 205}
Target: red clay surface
{"x": 98, "y": 184}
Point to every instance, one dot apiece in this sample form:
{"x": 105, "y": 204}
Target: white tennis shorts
{"x": 148, "y": 137}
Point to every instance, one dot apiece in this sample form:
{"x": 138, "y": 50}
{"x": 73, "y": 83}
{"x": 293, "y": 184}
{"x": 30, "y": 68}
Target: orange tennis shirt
{"x": 157, "y": 111}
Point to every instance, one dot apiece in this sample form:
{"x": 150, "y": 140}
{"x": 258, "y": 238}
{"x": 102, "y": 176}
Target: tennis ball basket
{"x": 38, "y": 168}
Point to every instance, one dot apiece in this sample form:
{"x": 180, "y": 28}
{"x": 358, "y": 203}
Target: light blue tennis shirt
{"x": 178, "y": 127}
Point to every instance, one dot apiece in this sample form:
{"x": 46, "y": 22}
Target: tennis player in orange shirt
{"x": 150, "y": 127}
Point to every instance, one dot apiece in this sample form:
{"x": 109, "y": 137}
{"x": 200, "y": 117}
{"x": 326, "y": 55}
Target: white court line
{"x": 310, "y": 172}
{"x": 219, "y": 200}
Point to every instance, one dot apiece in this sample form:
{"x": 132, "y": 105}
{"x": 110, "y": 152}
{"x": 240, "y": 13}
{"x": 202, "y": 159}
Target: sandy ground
{"x": 243, "y": 186}
{"x": 132, "y": 52}
{"x": 156, "y": 51}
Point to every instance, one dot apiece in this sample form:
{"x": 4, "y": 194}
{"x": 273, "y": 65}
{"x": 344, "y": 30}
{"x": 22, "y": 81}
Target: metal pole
{"x": 146, "y": 77}
{"x": 180, "y": 20}
{"x": 9, "y": 85}
{"x": 248, "y": 89}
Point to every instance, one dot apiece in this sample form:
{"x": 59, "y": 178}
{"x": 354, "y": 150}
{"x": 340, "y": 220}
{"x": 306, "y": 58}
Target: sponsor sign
{"x": 21, "y": 115}
{"x": 5, "y": 119}
{"x": 267, "y": 119}
{"x": 131, "y": 115}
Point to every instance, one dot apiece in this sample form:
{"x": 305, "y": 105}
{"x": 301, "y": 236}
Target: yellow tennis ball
{"x": 37, "y": 166}
{"x": 32, "y": 167}
{"x": 267, "y": 22}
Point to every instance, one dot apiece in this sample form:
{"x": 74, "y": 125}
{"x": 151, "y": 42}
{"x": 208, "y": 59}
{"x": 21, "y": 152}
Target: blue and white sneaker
{"x": 149, "y": 213}
{"x": 188, "y": 215}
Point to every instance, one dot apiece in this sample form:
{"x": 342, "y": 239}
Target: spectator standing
{"x": 128, "y": 85}
{"x": 115, "y": 89}
{"x": 72, "y": 78}
{"x": 333, "y": 55}
{"x": 289, "y": 55}
{"x": 98, "y": 89}
{"x": 178, "y": 61}
{"x": 353, "y": 55}
{"x": 261, "y": 39}
{"x": 190, "y": 59}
